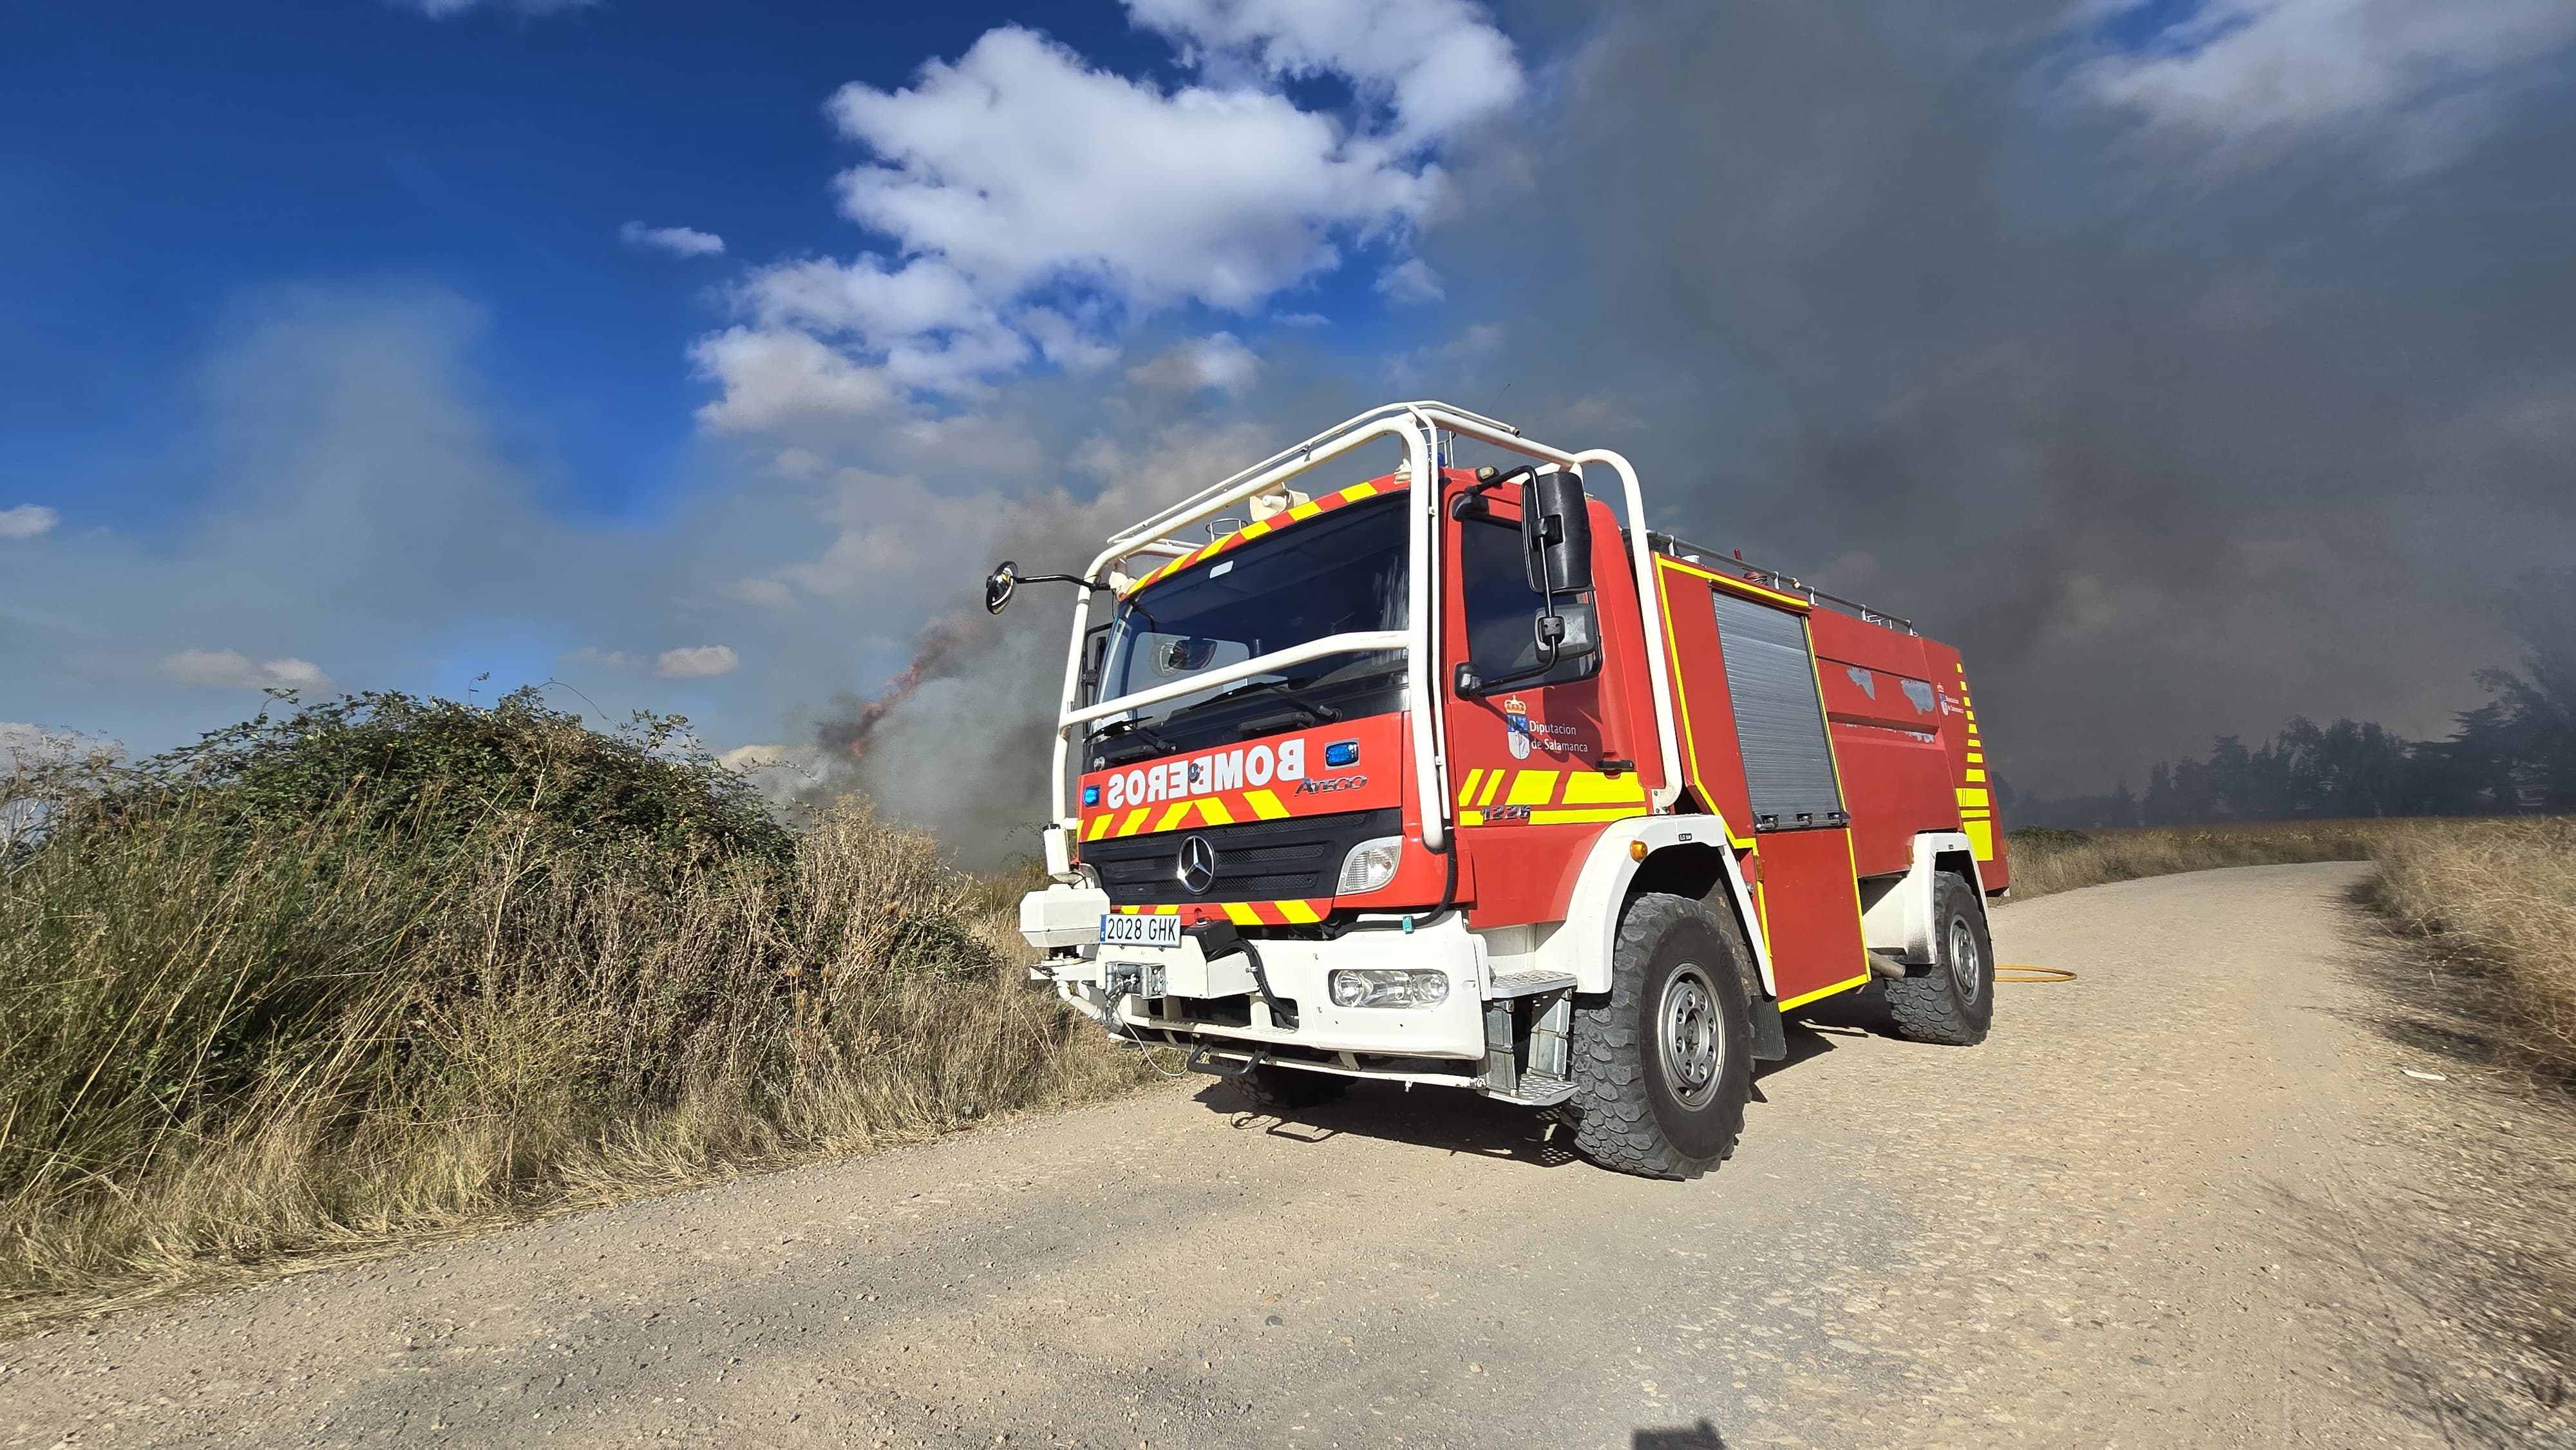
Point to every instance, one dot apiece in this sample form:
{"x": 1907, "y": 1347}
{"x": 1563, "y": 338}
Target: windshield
{"x": 1340, "y": 573}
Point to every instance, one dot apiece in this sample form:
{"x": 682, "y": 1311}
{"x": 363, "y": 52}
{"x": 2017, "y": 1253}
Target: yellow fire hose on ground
{"x": 2033, "y": 974}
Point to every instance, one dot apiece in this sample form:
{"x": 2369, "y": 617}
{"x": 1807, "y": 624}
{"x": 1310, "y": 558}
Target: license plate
{"x": 1140, "y": 931}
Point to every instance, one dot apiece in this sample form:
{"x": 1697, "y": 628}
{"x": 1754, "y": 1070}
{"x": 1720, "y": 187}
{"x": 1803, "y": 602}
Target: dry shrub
{"x": 2500, "y": 895}
{"x": 226, "y": 1038}
{"x": 2045, "y": 861}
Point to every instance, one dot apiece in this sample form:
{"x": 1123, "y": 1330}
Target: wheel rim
{"x": 1691, "y": 1037}
{"x": 1967, "y": 967}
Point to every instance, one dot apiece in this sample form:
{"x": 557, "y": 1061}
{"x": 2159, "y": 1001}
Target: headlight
{"x": 1383, "y": 987}
{"x": 1370, "y": 865}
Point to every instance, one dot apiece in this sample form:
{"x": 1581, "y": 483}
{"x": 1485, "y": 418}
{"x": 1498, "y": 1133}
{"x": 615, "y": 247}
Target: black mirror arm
{"x": 1469, "y": 683}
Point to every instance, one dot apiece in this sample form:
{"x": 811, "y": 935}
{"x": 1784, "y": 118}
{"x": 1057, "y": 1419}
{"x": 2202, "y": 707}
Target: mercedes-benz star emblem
{"x": 1198, "y": 865}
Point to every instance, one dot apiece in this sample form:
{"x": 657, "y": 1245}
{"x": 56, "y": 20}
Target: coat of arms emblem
{"x": 1516, "y": 727}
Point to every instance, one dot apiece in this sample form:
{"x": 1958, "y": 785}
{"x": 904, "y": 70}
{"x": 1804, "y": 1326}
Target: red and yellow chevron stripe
{"x": 1547, "y": 797}
{"x": 1976, "y": 809}
{"x": 1241, "y": 913}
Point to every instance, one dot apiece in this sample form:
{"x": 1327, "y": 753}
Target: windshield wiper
{"x": 1316, "y": 714}
{"x": 1154, "y": 741}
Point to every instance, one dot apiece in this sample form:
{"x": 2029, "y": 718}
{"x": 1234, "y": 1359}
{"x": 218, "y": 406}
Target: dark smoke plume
{"x": 851, "y": 729}
{"x": 1871, "y": 292}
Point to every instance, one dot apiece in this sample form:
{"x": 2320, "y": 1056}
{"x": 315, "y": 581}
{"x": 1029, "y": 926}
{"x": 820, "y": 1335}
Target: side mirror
{"x": 1571, "y": 631}
{"x": 1095, "y": 653}
{"x": 998, "y": 586}
{"x": 1556, "y": 532}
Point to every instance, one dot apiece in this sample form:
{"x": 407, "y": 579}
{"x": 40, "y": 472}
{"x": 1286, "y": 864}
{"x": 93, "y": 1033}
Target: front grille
{"x": 1298, "y": 859}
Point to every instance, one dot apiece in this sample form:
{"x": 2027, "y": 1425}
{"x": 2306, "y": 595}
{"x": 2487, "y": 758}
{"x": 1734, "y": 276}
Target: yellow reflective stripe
{"x": 1358, "y": 491}
{"x": 1532, "y": 788}
{"x": 1298, "y": 912}
{"x": 1242, "y": 914}
{"x": 1821, "y": 992}
{"x": 1306, "y": 510}
{"x": 1254, "y": 531}
{"x": 1135, "y": 819}
{"x": 1971, "y": 796}
{"x": 1975, "y": 774}
{"x": 1099, "y": 826}
{"x": 1174, "y": 815}
{"x": 1587, "y": 788}
{"x": 1597, "y": 813}
{"x": 1981, "y": 838}
{"x": 1976, "y": 757}
{"x": 1493, "y": 783}
{"x": 1467, "y": 792}
{"x": 1471, "y": 818}
{"x": 1264, "y": 804}
{"x": 1213, "y": 812}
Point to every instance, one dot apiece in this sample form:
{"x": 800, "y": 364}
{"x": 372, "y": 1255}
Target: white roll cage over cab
{"x": 1417, "y": 427}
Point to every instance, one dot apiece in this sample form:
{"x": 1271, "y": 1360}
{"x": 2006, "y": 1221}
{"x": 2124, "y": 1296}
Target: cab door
{"x": 1538, "y": 759}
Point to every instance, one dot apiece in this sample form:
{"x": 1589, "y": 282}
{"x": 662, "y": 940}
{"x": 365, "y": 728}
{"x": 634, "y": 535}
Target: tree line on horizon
{"x": 2515, "y": 754}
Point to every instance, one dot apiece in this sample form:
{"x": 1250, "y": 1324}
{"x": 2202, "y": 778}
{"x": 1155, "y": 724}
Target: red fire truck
{"x": 1447, "y": 776}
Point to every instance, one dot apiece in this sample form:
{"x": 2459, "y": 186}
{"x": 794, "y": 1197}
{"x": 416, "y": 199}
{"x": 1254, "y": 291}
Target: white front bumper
{"x": 1298, "y": 971}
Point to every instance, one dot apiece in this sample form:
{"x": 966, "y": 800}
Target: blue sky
{"x": 145, "y": 188}
{"x": 701, "y": 356}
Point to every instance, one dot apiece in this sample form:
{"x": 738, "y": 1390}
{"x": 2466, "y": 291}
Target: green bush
{"x": 391, "y": 963}
{"x": 441, "y": 770}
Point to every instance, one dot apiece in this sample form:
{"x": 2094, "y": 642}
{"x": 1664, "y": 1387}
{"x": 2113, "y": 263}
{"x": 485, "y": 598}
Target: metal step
{"x": 1536, "y": 1090}
{"x": 1530, "y": 984}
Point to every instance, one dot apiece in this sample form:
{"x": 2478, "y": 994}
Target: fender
{"x": 1900, "y": 919}
{"x": 1582, "y": 944}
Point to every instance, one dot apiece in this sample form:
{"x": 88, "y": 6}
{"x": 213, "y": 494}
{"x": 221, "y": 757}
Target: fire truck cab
{"x": 1451, "y": 776}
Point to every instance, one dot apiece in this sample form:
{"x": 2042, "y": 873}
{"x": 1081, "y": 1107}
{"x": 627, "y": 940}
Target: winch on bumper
{"x": 1466, "y": 1026}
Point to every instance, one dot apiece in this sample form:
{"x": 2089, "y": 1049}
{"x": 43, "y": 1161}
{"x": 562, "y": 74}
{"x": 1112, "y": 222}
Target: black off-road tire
{"x": 1676, "y": 1007}
{"x": 1953, "y": 1003}
{"x": 1279, "y": 1091}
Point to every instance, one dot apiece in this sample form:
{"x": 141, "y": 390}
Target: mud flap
{"x": 1770, "y": 1038}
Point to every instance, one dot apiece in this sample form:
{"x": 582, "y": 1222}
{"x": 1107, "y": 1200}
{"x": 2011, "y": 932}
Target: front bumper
{"x": 1193, "y": 997}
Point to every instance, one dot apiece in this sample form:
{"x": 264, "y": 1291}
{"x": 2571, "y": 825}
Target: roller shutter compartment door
{"x": 1788, "y": 762}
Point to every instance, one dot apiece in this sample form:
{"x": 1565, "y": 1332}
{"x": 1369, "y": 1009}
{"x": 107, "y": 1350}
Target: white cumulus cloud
{"x": 230, "y": 669}
{"x": 2245, "y": 78}
{"x": 1019, "y": 164}
{"x": 1440, "y": 64}
{"x": 1219, "y": 362}
{"x": 678, "y": 241}
{"x": 1041, "y": 205}
{"x": 697, "y": 662}
{"x": 27, "y": 521}
{"x": 772, "y": 376}
{"x": 1411, "y": 280}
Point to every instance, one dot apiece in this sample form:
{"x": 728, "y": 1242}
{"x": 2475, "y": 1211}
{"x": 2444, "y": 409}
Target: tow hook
{"x": 1197, "y": 1063}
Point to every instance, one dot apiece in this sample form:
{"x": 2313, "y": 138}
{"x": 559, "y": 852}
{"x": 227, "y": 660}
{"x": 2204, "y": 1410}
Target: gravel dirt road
{"x": 2190, "y": 1199}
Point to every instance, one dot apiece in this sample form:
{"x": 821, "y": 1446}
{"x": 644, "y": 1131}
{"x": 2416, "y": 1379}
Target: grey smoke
{"x": 1871, "y": 292}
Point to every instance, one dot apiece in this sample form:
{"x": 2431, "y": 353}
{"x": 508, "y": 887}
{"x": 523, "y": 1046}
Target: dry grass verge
{"x": 2046, "y": 861}
{"x": 230, "y": 1036}
{"x": 2498, "y": 899}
